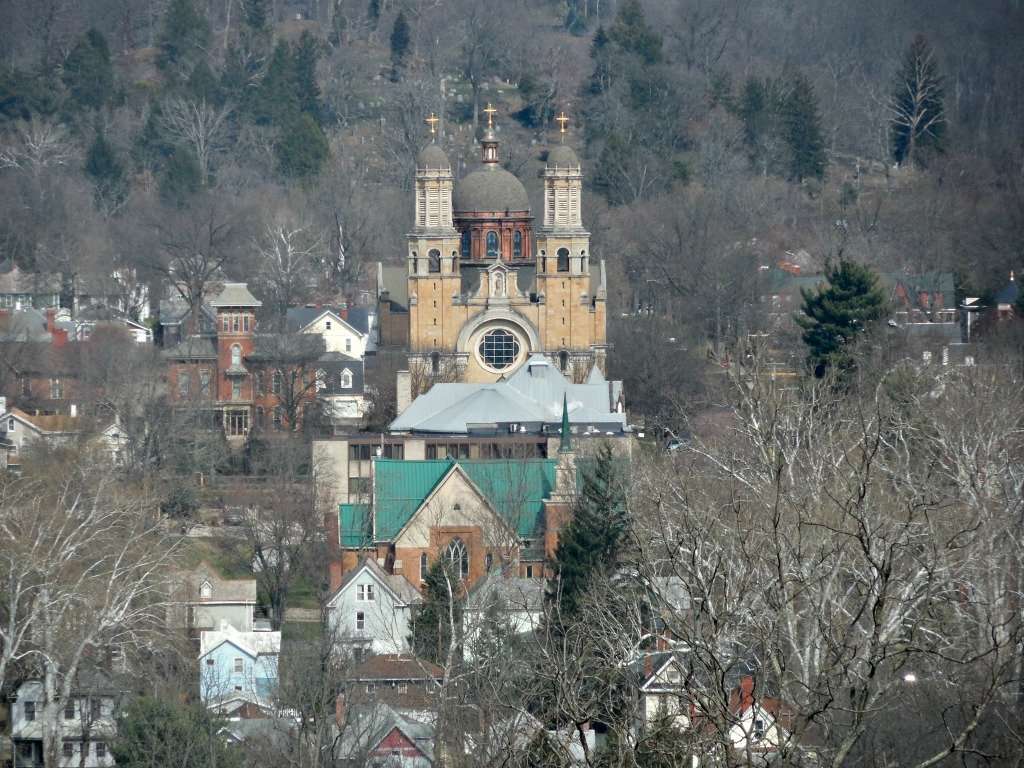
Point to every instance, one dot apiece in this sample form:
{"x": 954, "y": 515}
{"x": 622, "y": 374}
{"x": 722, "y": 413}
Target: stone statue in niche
{"x": 498, "y": 285}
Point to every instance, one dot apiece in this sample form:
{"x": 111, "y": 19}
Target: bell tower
{"x": 433, "y": 256}
{"x": 573, "y": 316}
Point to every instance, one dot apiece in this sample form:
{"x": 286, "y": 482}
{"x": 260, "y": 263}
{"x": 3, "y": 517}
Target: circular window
{"x": 499, "y": 349}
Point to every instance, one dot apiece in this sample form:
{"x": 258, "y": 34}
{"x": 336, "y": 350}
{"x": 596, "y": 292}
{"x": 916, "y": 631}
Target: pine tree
{"x": 181, "y": 178}
{"x": 88, "y": 73}
{"x": 441, "y": 610}
{"x": 400, "y": 37}
{"x": 255, "y": 14}
{"x": 305, "y": 56}
{"x": 600, "y": 54}
{"x": 106, "y": 172}
{"x": 632, "y": 34}
{"x": 590, "y": 544}
{"x": 276, "y": 101}
{"x": 184, "y": 38}
{"x": 919, "y": 114}
{"x": 802, "y": 132}
{"x": 302, "y": 148}
{"x": 835, "y": 316}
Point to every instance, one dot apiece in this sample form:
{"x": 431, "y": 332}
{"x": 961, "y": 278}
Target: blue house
{"x": 238, "y": 666}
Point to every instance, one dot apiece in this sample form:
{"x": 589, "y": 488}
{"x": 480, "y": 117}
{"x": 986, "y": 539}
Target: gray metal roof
{"x": 432, "y": 157}
{"x": 194, "y": 348}
{"x": 533, "y": 394}
{"x": 512, "y": 593}
{"x": 490, "y": 188}
{"x": 562, "y": 156}
{"x": 235, "y": 295}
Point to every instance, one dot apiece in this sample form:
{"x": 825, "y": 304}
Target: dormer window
{"x": 345, "y": 379}
{"x": 206, "y": 590}
{"x": 12, "y": 425}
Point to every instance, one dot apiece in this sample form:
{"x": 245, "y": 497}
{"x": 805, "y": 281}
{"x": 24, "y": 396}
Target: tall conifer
{"x": 802, "y": 129}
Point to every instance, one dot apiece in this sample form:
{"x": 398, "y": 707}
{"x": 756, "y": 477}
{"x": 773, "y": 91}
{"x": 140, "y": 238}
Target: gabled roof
{"x": 300, "y": 318}
{"x": 532, "y": 395}
{"x": 516, "y": 489}
{"x": 395, "y": 666}
{"x": 222, "y": 590}
{"x": 235, "y": 295}
{"x": 369, "y": 725}
{"x": 51, "y": 424}
{"x": 513, "y": 592}
{"x": 401, "y": 590}
{"x": 252, "y": 643}
{"x": 24, "y": 325}
{"x": 647, "y": 669}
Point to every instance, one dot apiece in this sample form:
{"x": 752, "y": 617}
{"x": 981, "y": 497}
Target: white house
{"x": 370, "y": 611}
{"x": 760, "y": 723}
{"x": 516, "y": 602}
{"x": 209, "y": 602}
{"x": 338, "y": 334}
{"x": 660, "y": 685}
{"x": 86, "y": 723}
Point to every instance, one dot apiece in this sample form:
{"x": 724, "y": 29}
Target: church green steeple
{"x": 565, "y": 444}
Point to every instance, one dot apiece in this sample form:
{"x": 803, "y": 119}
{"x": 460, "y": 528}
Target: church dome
{"x": 562, "y": 156}
{"x": 490, "y": 188}
{"x": 433, "y": 158}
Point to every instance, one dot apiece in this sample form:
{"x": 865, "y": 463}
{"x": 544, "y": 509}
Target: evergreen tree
{"x": 181, "y": 178}
{"x": 400, "y": 37}
{"x": 184, "y": 38}
{"x": 158, "y": 731}
{"x": 441, "y": 610}
{"x": 254, "y": 12}
{"x": 106, "y": 172}
{"x": 919, "y": 114}
{"x": 88, "y": 73}
{"x": 203, "y": 86}
{"x": 632, "y": 34}
{"x": 802, "y": 132}
{"x": 753, "y": 110}
{"x": 276, "y": 101}
{"x": 835, "y": 316}
{"x": 302, "y": 148}
{"x": 373, "y": 13}
{"x": 305, "y": 57}
{"x": 600, "y": 54}
{"x": 590, "y": 544}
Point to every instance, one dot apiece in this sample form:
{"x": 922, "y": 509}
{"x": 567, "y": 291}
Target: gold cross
{"x": 489, "y": 110}
{"x": 562, "y": 120}
{"x": 432, "y": 121}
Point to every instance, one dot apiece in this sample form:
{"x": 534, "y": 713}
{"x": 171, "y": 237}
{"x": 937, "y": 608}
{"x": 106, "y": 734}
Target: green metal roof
{"x": 515, "y": 488}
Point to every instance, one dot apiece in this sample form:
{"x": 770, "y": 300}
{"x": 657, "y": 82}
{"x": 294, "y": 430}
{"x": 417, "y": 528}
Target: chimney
{"x": 746, "y": 692}
{"x": 403, "y": 392}
{"x": 51, "y": 318}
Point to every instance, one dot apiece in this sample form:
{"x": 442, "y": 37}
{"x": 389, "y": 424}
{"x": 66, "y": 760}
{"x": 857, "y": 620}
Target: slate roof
{"x": 516, "y": 489}
{"x": 192, "y": 348}
{"x": 531, "y": 395}
{"x": 359, "y": 318}
{"x": 235, "y": 295}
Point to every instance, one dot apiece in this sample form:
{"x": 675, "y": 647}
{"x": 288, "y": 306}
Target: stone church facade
{"x": 484, "y": 287}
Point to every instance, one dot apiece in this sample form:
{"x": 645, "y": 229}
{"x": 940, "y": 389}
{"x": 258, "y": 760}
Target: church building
{"x": 484, "y": 289}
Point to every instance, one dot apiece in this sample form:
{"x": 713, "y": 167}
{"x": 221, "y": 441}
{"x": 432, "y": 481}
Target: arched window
{"x": 206, "y": 590}
{"x": 457, "y": 554}
{"x": 435, "y": 363}
{"x": 236, "y": 355}
{"x": 465, "y": 243}
{"x": 563, "y": 259}
{"x": 492, "y": 245}
{"x": 517, "y": 245}
{"x": 434, "y": 260}
{"x": 345, "y": 379}
{"x": 563, "y": 361}
{"x": 424, "y": 566}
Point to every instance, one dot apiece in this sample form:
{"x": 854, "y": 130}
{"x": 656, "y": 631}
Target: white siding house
{"x": 370, "y": 611}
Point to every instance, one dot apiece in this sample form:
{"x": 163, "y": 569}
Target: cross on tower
{"x": 432, "y": 121}
{"x": 562, "y": 120}
{"x": 489, "y": 111}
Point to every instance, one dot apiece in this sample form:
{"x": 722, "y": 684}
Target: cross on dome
{"x": 562, "y": 121}
{"x": 432, "y": 121}
{"x": 489, "y": 111}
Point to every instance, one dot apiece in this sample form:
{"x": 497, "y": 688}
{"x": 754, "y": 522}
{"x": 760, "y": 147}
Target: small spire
{"x": 489, "y": 111}
{"x": 1011, "y": 275}
{"x": 565, "y": 444}
{"x": 432, "y": 121}
{"x": 562, "y": 121}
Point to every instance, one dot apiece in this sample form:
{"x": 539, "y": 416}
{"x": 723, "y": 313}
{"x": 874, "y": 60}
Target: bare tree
{"x": 290, "y": 255}
{"x": 200, "y": 126}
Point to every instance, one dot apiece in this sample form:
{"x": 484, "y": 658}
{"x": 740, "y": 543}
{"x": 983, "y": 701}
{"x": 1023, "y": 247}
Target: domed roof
{"x": 490, "y": 188}
{"x": 432, "y": 157}
{"x": 562, "y": 156}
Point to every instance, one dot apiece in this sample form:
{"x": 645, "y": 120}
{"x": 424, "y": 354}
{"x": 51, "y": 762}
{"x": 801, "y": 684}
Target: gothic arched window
{"x": 492, "y": 245}
{"x": 236, "y": 355}
{"x": 435, "y": 363}
{"x": 563, "y": 361}
{"x": 563, "y": 259}
{"x": 434, "y": 260}
{"x": 465, "y": 243}
{"x": 457, "y": 554}
{"x": 517, "y": 245}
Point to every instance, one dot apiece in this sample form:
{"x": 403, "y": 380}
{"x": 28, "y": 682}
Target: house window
{"x": 236, "y": 390}
{"x": 101, "y": 749}
{"x": 424, "y": 566}
{"x": 209, "y": 662}
{"x": 276, "y": 383}
{"x": 259, "y": 418}
{"x": 757, "y": 732}
{"x": 345, "y": 379}
{"x": 517, "y": 245}
{"x": 348, "y": 345}
{"x": 204, "y": 382}
{"x": 206, "y": 590}
{"x": 245, "y": 323}
{"x": 488, "y": 561}
{"x": 278, "y": 417}
{"x": 359, "y": 452}
{"x": 95, "y": 709}
{"x": 563, "y": 259}
{"x": 69, "y": 749}
{"x": 238, "y": 423}
{"x": 321, "y": 380}
{"x": 30, "y": 711}
{"x": 360, "y": 621}
{"x": 492, "y": 245}
{"x": 434, "y": 260}
{"x": 458, "y": 556}
{"x": 563, "y": 361}
{"x": 12, "y": 425}
{"x": 257, "y": 383}
{"x": 69, "y": 709}
{"x": 56, "y": 389}
{"x": 236, "y": 355}
{"x": 529, "y": 571}
{"x": 239, "y": 666}
{"x": 184, "y": 384}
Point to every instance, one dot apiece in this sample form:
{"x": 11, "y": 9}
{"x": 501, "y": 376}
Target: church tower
{"x": 433, "y": 250}
{"x": 574, "y": 291}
